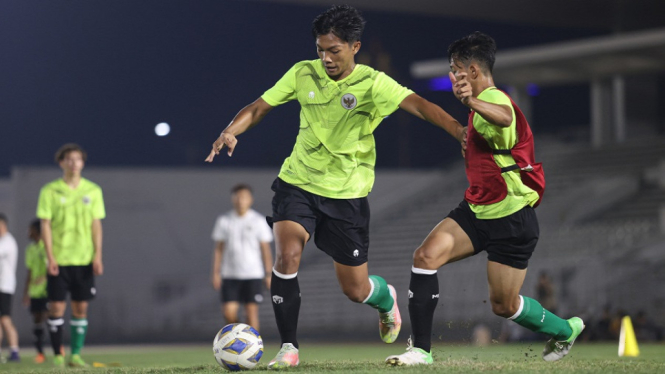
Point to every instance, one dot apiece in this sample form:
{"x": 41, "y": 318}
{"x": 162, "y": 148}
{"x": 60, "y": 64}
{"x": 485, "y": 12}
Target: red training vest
{"x": 486, "y": 185}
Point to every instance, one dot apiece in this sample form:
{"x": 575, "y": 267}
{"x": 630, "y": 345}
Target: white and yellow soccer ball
{"x": 237, "y": 347}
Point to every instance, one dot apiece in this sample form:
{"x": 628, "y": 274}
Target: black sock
{"x": 286, "y": 304}
{"x": 55, "y": 331}
{"x": 38, "y": 331}
{"x": 423, "y": 297}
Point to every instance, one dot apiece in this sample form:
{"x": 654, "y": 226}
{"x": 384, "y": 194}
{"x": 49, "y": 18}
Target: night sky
{"x": 104, "y": 73}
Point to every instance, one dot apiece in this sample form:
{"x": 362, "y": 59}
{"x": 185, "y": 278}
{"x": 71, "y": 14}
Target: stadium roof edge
{"x": 569, "y": 62}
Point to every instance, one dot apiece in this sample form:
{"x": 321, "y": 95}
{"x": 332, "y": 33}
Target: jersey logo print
{"x": 86, "y": 200}
{"x": 311, "y": 94}
{"x": 356, "y": 253}
{"x": 349, "y": 101}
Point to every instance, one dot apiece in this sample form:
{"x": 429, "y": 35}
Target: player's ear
{"x": 474, "y": 71}
{"x": 355, "y": 47}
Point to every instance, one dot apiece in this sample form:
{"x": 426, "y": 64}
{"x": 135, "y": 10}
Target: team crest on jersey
{"x": 349, "y": 101}
{"x": 86, "y": 200}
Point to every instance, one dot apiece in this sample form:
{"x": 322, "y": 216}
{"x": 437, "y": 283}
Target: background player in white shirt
{"x": 8, "y": 258}
{"x": 242, "y": 258}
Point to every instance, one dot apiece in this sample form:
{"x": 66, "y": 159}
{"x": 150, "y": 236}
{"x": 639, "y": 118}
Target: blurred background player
{"x": 242, "y": 258}
{"x": 34, "y": 295}
{"x": 8, "y": 258}
{"x": 322, "y": 187}
{"x": 496, "y": 214}
{"x": 71, "y": 209}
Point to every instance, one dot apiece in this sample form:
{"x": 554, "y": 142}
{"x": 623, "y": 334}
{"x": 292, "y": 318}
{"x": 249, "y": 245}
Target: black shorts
{"x": 509, "y": 240}
{"x": 5, "y": 304}
{"x": 242, "y": 290}
{"x": 77, "y": 280}
{"x": 340, "y": 226}
{"x": 38, "y": 305}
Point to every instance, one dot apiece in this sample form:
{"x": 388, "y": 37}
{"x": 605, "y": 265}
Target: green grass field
{"x": 368, "y": 358}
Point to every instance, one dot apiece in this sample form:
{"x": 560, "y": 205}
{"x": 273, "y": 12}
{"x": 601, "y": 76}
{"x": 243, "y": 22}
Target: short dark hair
{"x": 477, "y": 47}
{"x": 240, "y": 187}
{"x": 36, "y": 225}
{"x": 344, "y": 21}
{"x": 66, "y": 149}
{"x": 3, "y": 218}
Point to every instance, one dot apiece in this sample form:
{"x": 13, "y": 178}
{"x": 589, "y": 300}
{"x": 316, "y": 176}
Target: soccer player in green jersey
{"x": 323, "y": 185}
{"x": 71, "y": 209}
{"x": 506, "y": 226}
{"x": 34, "y": 295}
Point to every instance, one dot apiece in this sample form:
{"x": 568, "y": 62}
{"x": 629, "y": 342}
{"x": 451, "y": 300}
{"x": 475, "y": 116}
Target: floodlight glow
{"x": 162, "y": 129}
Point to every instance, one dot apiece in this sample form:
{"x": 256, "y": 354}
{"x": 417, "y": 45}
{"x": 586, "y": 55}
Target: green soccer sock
{"x": 379, "y": 296}
{"x": 536, "y": 318}
{"x": 79, "y": 327}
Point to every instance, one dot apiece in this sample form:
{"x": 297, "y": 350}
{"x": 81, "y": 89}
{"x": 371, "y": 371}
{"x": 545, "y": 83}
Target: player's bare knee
{"x": 287, "y": 262}
{"x": 356, "y": 295}
{"x": 427, "y": 258}
{"x": 503, "y": 309}
{"x": 230, "y": 318}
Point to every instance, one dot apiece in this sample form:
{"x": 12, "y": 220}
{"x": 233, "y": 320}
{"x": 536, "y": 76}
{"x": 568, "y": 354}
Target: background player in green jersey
{"x": 71, "y": 209}
{"x": 323, "y": 185}
{"x": 506, "y": 229}
{"x": 34, "y": 294}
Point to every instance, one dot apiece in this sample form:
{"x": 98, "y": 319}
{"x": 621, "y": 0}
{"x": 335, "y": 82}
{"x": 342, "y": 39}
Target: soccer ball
{"x": 237, "y": 347}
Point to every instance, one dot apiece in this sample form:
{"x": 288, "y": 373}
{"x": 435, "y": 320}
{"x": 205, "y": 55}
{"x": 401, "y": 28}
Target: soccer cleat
{"x": 14, "y": 357}
{"x": 59, "y": 361}
{"x": 77, "y": 362}
{"x": 556, "y": 350}
{"x": 391, "y": 322}
{"x": 412, "y": 356}
{"x": 286, "y": 357}
{"x": 40, "y": 358}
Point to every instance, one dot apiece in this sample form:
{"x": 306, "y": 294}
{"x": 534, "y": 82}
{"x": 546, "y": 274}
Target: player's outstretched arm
{"x": 499, "y": 115}
{"x": 433, "y": 114}
{"x": 247, "y": 118}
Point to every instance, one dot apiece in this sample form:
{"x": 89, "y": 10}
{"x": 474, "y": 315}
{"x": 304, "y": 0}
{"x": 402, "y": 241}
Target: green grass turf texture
{"x": 367, "y": 358}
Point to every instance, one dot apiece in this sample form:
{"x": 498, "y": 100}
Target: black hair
{"x": 240, "y": 187}
{"x": 66, "y": 149}
{"x": 3, "y": 218}
{"x": 343, "y": 21}
{"x": 478, "y": 47}
{"x": 36, "y": 225}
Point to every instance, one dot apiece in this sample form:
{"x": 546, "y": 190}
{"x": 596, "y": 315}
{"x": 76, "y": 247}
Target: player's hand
{"x": 53, "y": 268}
{"x": 97, "y": 267}
{"x": 267, "y": 281}
{"x": 461, "y": 87}
{"x": 216, "y": 282}
{"x": 26, "y": 300}
{"x": 225, "y": 139}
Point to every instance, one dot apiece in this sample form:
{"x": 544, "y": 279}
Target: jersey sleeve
{"x": 265, "y": 232}
{"x": 98, "y": 209}
{"x": 492, "y": 96}
{"x": 284, "y": 90}
{"x": 219, "y": 232}
{"x": 44, "y": 204}
{"x": 387, "y": 94}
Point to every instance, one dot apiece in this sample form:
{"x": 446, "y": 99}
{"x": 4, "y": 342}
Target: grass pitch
{"x": 366, "y": 358}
